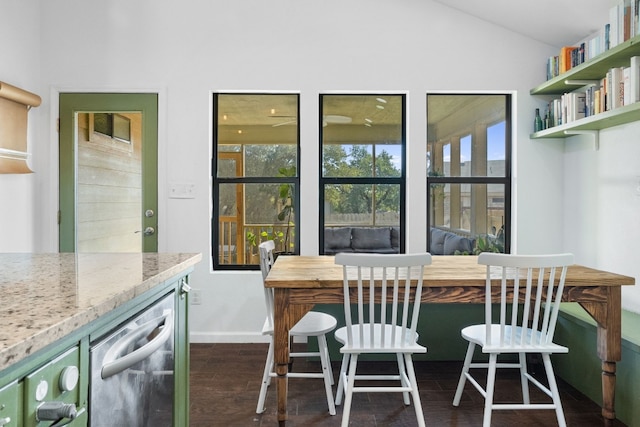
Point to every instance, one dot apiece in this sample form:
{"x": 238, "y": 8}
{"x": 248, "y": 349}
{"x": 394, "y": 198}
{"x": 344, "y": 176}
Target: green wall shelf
{"x": 594, "y": 69}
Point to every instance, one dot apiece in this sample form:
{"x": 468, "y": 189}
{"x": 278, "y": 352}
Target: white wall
{"x": 20, "y": 66}
{"x": 602, "y": 204}
{"x": 186, "y": 50}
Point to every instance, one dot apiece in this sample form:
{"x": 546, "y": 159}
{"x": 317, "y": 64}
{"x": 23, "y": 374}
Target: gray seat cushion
{"x": 453, "y": 243}
{"x": 437, "y": 241}
{"x": 363, "y": 239}
{"x": 395, "y": 237}
{"x": 337, "y": 238}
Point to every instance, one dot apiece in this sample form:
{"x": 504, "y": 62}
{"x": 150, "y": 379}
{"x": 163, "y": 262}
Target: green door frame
{"x": 72, "y": 103}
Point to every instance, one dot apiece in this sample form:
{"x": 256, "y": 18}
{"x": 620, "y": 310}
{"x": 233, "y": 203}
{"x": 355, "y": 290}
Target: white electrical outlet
{"x": 196, "y": 297}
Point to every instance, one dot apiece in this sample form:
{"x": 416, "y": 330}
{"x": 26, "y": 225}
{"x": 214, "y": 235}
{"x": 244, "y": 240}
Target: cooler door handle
{"x": 114, "y": 362}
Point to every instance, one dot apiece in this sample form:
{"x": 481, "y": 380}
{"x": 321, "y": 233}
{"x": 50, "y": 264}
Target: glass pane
{"x": 496, "y": 151}
{"x": 227, "y": 167}
{"x": 374, "y": 160}
{"x": 252, "y": 213}
{"x": 466, "y": 135}
{"x": 362, "y": 205}
{"x": 263, "y": 127}
{"x": 475, "y": 211}
{"x": 362, "y": 135}
{"x": 228, "y": 231}
{"x": 269, "y": 160}
{"x": 465, "y": 157}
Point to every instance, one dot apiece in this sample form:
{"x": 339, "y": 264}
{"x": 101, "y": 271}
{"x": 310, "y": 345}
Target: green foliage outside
{"x": 271, "y": 207}
{"x": 285, "y": 216}
{"x": 356, "y": 161}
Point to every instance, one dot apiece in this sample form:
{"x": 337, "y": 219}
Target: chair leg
{"x": 553, "y": 386}
{"x": 326, "y": 371}
{"x": 491, "y": 382}
{"x": 523, "y": 378}
{"x": 414, "y": 389}
{"x": 463, "y": 376}
{"x": 403, "y": 371}
{"x": 353, "y": 362}
{"x": 266, "y": 379}
{"x": 329, "y": 361}
{"x": 341, "y": 385}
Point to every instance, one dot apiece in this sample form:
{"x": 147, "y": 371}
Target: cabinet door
{"x": 11, "y": 405}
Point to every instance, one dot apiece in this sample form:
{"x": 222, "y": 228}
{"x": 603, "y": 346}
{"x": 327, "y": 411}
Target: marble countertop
{"x": 44, "y": 297}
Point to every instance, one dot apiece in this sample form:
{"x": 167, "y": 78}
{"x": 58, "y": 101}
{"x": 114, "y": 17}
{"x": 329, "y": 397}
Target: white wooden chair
{"x": 312, "y": 324}
{"x": 529, "y": 328}
{"x": 384, "y": 321}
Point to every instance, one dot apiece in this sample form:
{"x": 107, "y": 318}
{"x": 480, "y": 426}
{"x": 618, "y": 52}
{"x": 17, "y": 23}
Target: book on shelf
{"x": 603, "y": 95}
{"x": 626, "y": 90}
{"x": 566, "y": 55}
{"x": 573, "y": 106}
{"x": 616, "y": 88}
{"x": 625, "y": 19}
{"x": 634, "y": 79}
{"x": 614, "y": 26}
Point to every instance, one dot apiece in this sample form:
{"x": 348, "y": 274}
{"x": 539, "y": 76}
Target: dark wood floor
{"x": 225, "y": 382}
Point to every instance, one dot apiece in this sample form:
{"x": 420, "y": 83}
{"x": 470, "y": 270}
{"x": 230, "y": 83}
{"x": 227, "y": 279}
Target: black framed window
{"x": 468, "y": 173}
{"x": 362, "y": 173}
{"x": 255, "y": 172}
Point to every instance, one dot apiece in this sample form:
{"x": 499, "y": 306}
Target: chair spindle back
{"x": 535, "y": 284}
{"x": 388, "y": 292}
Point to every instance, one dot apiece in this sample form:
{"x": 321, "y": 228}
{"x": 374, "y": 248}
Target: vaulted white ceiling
{"x": 555, "y": 22}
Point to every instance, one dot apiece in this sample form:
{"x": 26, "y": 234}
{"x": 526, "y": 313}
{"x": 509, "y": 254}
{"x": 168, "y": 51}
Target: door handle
{"x": 114, "y": 362}
{"x": 149, "y": 231}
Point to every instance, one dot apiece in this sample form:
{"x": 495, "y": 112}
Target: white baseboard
{"x": 232, "y": 337}
{"x": 227, "y": 337}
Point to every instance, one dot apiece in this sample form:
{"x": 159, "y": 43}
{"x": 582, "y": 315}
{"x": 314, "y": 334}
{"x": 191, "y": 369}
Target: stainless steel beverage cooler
{"x": 132, "y": 368}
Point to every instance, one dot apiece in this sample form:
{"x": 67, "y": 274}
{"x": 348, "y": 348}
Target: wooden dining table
{"x": 300, "y": 282}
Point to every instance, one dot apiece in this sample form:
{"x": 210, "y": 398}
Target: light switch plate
{"x": 182, "y": 190}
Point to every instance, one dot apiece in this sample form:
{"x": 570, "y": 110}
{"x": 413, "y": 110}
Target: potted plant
{"x": 285, "y": 195}
{"x": 254, "y": 240}
{"x": 285, "y": 202}
{"x": 487, "y": 243}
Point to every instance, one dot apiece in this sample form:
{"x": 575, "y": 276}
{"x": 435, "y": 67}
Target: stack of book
{"x": 623, "y": 25}
{"x": 619, "y": 87}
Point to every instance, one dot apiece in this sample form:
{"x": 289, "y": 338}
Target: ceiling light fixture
{"x": 224, "y": 117}
{"x": 273, "y": 111}
{"x": 382, "y": 100}
{"x": 380, "y": 107}
{"x": 239, "y": 131}
{"x": 368, "y": 125}
{"x": 368, "y": 120}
